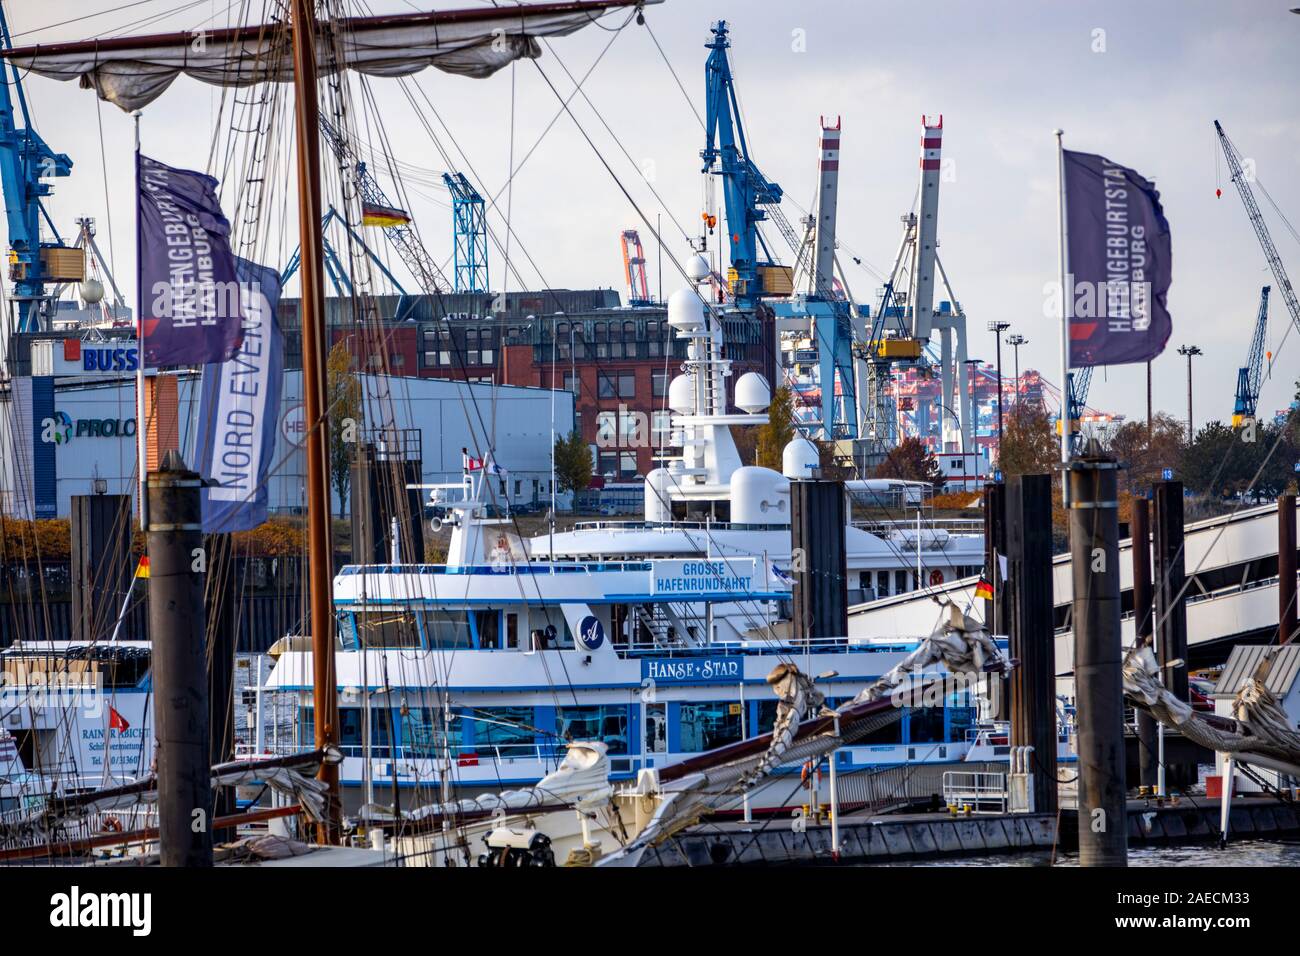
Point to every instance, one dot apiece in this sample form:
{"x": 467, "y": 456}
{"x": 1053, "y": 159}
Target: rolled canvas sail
{"x": 131, "y": 72}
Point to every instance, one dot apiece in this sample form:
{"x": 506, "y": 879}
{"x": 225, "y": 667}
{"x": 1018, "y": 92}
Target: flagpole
{"x": 1063, "y": 262}
{"x": 141, "y": 465}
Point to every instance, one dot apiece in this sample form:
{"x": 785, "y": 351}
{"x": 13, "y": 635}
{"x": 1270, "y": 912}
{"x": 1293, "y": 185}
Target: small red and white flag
{"x": 116, "y": 721}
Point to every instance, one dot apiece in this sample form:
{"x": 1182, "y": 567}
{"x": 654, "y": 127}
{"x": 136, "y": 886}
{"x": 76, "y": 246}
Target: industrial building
{"x": 68, "y": 436}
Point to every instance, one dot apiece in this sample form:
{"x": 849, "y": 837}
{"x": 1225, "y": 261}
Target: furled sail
{"x": 131, "y": 72}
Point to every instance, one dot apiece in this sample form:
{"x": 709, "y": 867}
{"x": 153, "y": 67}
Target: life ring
{"x": 936, "y": 578}
{"x": 111, "y": 824}
{"x": 502, "y": 543}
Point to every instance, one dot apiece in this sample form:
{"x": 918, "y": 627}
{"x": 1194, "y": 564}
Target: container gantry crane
{"x": 1250, "y": 376}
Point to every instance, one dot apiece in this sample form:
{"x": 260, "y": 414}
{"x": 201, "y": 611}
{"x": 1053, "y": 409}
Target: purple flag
{"x": 189, "y": 291}
{"x": 1119, "y": 263}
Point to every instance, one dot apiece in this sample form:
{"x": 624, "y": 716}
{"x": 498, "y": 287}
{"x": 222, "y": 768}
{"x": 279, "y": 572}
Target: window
{"x": 607, "y": 722}
{"x": 487, "y": 339}
{"x": 654, "y": 339}
{"x": 471, "y": 347}
{"x": 616, "y": 385}
{"x": 503, "y": 730}
{"x": 704, "y": 726}
{"x": 562, "y": 343}
{"x": 423, "y": 734}
{"x": 601, "y": 338}
{"x": 607, "y": 464}
{"x": 661, "y": 427}
{"x": 656, "y": 728}
{"x": 572, "y": 383}
{"x": 446, "y": 629}
{"x": 627, "y": 466}
{"x": 631, "y": 430}
{"x": 659, "y": 383}
{"x": 925, "y": 725}
{"x": 387, "y": 629}
{"x": 607, "y": 429}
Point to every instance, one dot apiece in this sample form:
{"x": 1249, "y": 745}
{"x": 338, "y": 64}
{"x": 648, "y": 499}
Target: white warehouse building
{"x": 92, "y": 431}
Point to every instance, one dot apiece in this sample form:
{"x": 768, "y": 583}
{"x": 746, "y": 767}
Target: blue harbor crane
{"x": 1251, "y": 375}
{"x": 745, "y": 189}
{"x": 25, "y": 162}
{"x": 469, "y": 235}
{"x": 1076, "y": 400}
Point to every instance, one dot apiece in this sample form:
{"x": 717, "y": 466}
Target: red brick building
{"x": 618, "y": 361}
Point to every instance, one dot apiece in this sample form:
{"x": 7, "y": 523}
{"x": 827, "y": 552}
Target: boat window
{"x": 446, "y": 630}
{"x": 891, "y": 733}
{"x": 656, "y": 728}
{"x": 704, "y": 726}
{"x": 607, "y": 722}
{"x": 422, "y": 734}
{"x": 925, "y": 725}
{"x": 387, "y": 629}
{"x": 488, "y": 622}
{"x": 507, "y": 731}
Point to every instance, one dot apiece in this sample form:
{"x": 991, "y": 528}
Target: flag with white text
{"x": 239, "y": 411}
{"x": 188, "y": 287}
{"x": 1119, "y": 263}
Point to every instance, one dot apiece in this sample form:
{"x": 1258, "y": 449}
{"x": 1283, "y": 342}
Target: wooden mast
{"x": 319, "y": 545}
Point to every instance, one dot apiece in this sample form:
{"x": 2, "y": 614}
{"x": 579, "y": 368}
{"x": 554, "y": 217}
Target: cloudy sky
{"x": 1138, "y": 82}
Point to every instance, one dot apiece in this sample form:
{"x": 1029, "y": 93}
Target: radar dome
{"x": 681, "y": 397}
{"x": 752, "y": 393}
{"x": 799, "y": 459}
{"x": 92, "y": 291}
{"x": 658, "y": 505}
{"x": 759, "y": 496}
{"x": 686, "y": 310}
{"x": 697, "y": 267}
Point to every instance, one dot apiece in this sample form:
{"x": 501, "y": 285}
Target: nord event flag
{"x": 1119, "y": 257}
{"x": 239, "y": 410}
{"x": 189, "y": 293}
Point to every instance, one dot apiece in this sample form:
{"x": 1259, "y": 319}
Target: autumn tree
{"x": 1029, "y": 443}
{"x": 910, "y": 460}
{"x": 343, "y": 398}
{"x": 1145, "y": 454}
{"x": 573, "y": 465}
{"x": 778, "y": 432}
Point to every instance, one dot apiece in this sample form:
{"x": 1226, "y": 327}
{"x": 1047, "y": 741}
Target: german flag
{"x": 373, "y": 214}
{"x": 142, "y": 569}
{"x": 984, "y": 590}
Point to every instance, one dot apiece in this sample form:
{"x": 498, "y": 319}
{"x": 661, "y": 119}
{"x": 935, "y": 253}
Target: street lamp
{"x": 997, "y": 328}
{"x": 1015, "y": 341}
{"x": 1191, "y": 351}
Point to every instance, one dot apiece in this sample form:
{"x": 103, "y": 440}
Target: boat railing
{"x": 521, "y": 567}
{"x": 666, "y": 526}
{"x": 963, "y": 526}
{"x": 759, "y": 647}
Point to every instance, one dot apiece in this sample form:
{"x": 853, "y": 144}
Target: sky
{"x": 1140, "y": 83}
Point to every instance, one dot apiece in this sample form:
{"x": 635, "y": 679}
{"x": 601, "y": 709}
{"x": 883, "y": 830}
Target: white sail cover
{"x": 131, "y": 72}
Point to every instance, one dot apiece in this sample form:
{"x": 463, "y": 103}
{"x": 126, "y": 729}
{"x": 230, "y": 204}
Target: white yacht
{"x": 705, "y": 503}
